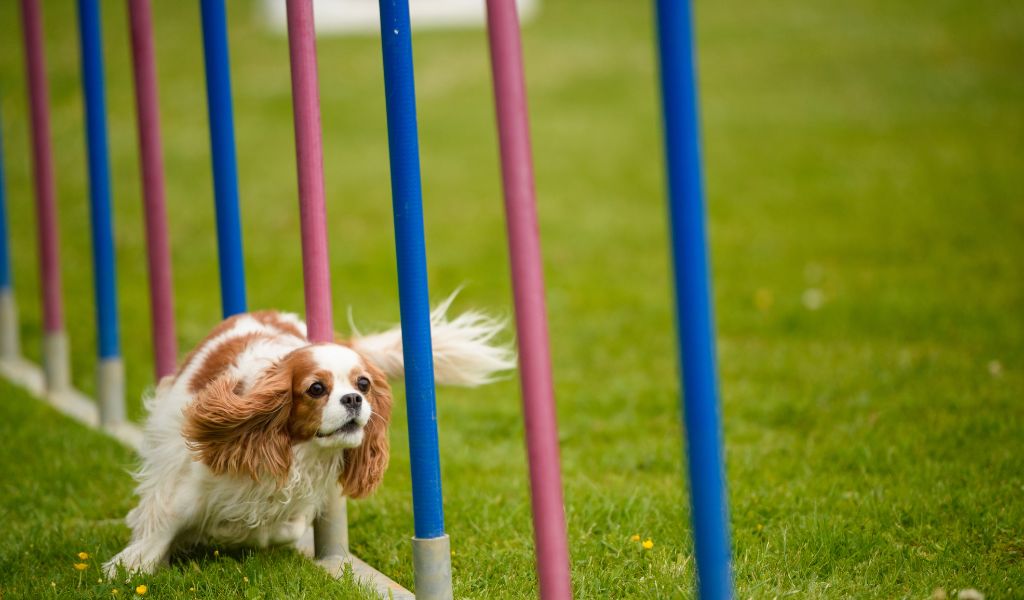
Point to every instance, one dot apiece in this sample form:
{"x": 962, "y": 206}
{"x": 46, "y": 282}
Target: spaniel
{"x": 246, "y": 443}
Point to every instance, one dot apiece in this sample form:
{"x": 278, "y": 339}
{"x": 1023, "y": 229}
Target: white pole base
{"x": 110, "y": 391}
{"x": 56, "y": 362}
{"x": 330, "y": 529}
{"x": 385, "y": 587}
{"x": 432, "y": 566}
{"x": 10, "y": 348}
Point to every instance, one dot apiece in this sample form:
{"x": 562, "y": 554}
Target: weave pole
{"x": 528, "y": 288}
{"x": 222, "y": 148}
{"x": 431, "y": 545}
{"x": 330, "y": 533}
{"x": 161, "y": 293}
{"x": 10, "y": 348}
{"x": 110, "y": 368}
{"x": 694, "y": 317}
{"x": 55, "y": 342}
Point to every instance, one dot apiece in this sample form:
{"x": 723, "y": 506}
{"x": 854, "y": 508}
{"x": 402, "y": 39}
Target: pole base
{"x": 110, "y": 391}
{"x": 330, "y": 529}
{"x": 432, "y": 566}
{"x": 56, "y": 362}
{"x": 10, "y": 348}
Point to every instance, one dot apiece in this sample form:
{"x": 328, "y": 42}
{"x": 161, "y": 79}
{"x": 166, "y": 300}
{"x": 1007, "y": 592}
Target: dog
{"x": 247, "y": 441}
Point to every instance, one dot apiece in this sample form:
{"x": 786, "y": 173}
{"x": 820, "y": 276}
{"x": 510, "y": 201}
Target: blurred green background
{"x": 864, "y": 176}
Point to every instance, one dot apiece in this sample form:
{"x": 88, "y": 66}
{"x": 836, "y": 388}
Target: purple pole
{"x": 161, "y": 294}
{"x": 531, "y": 314}
{"x": 42, "y": 156}
{"x": 330, "y": 533}
{"x": 55, "y": 351}
{"x": 310, "y": 158}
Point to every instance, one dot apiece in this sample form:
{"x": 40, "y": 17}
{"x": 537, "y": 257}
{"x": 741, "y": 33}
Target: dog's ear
{"x": 365, "y": 464}
{"x": 243, "y": 433}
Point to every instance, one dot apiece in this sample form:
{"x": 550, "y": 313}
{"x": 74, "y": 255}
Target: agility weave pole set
{"x": 431, "y": 549}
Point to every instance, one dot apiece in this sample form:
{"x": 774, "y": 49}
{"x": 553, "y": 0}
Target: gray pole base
{"x": 110, "y": 391}
{"x": 56, "y": 363}
{"x": 9, "y": 347}
{"x": 432, "y": 568}
{"x": 330, "y": 529}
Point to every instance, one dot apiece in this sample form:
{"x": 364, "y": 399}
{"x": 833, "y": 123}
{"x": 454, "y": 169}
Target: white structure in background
{"x": 348, "y": 16}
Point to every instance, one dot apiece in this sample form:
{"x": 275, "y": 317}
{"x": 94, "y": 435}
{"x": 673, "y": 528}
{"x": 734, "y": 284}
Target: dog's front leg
{"x": 292, "y": 530}
{"x": 155, "y": 524}
{"x": 143, "y": 555}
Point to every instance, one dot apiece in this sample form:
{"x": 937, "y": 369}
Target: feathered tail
{"x": 464, "y": 352}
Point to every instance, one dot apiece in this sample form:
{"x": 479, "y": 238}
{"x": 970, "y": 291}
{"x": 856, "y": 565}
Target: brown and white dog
{"x": 247, "y": 441}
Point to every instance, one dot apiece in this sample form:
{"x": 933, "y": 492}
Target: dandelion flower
{"x": 141, "y": 590}
{"x": 83, "y": 555}
{"x": 216, "y": 552}
{"x": 115, "y": 591}
{"x": 813, "y": 298}
{"x": 81, "y": 566}
{"x": 635, "y": 537}
{"x": 245, "y": 579}
{"x": 648, "y": 544}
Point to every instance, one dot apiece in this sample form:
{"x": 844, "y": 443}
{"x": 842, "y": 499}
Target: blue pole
{"x": 222, "y": 147}
{"x": 5, "y": 257}
{"x": 104, "y": 276}
{"x": 9, "y": 340}
{"x": 410, "y": 248}
{"x": 693, "y": 300}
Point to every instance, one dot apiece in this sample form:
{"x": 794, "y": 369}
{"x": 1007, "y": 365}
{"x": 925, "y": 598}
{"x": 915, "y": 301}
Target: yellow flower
{"x": 245, "y": 579}
{"x": 763, "y": 299}
{"x": 115, "y": 591}
{"x": 83, "y": 555}
{"x": 216, "y": 552}
{"x": 141, "y": 590}
{"x": 648, "y": 544}
{"x": 81, "y": 566}
{"x": 635, "y": 537}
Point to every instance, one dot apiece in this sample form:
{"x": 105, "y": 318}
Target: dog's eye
{"x": 363, "y": 383}
{"x": 316, "y": 390}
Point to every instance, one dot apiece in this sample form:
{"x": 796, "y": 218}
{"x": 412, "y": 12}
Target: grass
{"x": 864, "y": 174}
{"x": 78, "y": 487}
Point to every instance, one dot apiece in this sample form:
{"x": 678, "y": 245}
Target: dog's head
{"x": 325, "y": 395}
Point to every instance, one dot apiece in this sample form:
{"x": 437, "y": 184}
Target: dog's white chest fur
{"x": 260, "y": 513}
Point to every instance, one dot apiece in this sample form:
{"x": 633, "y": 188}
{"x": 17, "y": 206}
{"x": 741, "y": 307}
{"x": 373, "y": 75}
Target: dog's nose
{"x": 351, "y": 401}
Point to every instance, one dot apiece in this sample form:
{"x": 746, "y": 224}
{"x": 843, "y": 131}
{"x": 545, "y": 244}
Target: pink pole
{"x": 310, "y": 157}
{"x": 330, "y": 529}
{"x": 42, "y": 155}
{"x": 161, "y": 293}
{"x": 531, "y": 314}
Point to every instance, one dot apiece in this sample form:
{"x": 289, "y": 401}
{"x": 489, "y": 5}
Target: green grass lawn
{"x": 865, "y": 176}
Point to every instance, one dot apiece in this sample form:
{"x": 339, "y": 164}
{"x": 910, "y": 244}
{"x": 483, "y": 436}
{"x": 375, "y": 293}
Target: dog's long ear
{"x": 365, "y": 464}
{"x": 243, "y": 433}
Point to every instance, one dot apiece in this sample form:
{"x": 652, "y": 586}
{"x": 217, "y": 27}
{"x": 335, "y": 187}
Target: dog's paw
{"x": 111, "y": 567}
{"x": 290, "y": 531}
{"x": 131, "y": 561}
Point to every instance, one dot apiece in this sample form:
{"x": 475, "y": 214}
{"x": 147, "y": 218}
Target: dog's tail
{"x": 464, "y": 350}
